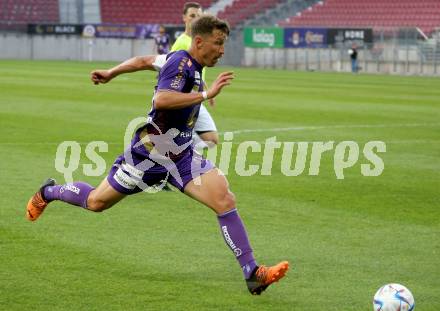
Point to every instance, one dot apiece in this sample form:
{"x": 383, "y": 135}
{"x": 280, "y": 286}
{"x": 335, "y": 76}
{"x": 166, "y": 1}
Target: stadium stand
{"x": 219, "y": 6}
{"x": 424, "y": 14}
{"x": 17, "y": 13}
{"x": 242, "y": 10}
{"x": 144, "y": 11}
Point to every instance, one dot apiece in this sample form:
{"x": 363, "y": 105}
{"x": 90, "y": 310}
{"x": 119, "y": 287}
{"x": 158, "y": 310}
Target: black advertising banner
{"x": 52, "y": 29}
{"x": 99, "y": 30}
{"x": 342, "y": 35}
{"x": 120, "y": 31}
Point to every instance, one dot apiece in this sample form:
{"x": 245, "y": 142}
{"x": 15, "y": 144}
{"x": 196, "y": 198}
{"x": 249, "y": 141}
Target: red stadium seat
{"x": 29, "y": 11}
{"x": 370, "y": 13}
{"x": 145, "y": 11}
{"x": 241, "y": 10}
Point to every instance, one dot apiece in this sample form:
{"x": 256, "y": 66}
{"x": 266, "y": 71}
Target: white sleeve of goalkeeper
{"x": 160, "y": 61}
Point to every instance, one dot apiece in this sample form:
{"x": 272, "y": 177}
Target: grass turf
{"x": 344, "y": 238}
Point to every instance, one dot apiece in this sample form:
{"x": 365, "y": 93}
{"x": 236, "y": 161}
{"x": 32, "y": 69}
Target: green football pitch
{"x": 344, "y": 238}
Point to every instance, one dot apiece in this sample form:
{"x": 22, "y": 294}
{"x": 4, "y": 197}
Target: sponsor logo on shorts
{"x": 132, "y": 170}
{"x": 124, "y": 180}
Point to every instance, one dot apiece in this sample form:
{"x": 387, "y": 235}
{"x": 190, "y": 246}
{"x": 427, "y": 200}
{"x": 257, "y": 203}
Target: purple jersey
{"x": 162, "y": 148}
{"x": 163, "y": 43}
{"x": 181, "y": 73}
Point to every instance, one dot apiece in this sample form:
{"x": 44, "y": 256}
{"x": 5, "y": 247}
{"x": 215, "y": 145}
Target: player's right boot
{"x": 263, "y": 276}
{"x": 37, "y": 203}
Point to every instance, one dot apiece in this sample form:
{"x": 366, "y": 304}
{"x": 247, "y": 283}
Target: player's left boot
{"x": 37, "y": 203}
{"x": 263, "y": 276}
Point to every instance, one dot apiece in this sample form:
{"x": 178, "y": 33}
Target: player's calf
{"x": 75, "y": 194}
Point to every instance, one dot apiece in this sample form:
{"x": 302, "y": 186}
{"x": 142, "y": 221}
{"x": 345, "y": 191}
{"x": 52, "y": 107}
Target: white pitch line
{"x": 311, "y": 128}
{"x": 280, "y": 129}
{"x": 415, "y": 141}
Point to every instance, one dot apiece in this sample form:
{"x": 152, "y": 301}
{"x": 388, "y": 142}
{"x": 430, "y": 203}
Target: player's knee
{"x": 225, "y": 202}
{"x": 230, "y": 204}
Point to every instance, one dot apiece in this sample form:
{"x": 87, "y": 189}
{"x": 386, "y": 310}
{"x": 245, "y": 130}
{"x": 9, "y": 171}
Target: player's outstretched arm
{"x": 177, "y": 100}
{"x": 131, "y": 65}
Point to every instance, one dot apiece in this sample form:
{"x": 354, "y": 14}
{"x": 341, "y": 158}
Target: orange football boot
{"x": 263, "y": 276}
{"x": 37, "y": 203}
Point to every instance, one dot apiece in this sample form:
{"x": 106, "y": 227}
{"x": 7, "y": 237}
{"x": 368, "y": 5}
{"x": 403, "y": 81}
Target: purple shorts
{"x": 133, "y": 172}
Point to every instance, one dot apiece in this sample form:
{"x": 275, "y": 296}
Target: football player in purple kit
{"x": 162, "y": 41}
{"x": 162, "y": 149}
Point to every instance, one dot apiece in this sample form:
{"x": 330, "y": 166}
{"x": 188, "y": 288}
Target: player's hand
{"x": 100, "y": 76}
{"x": 222, "y": 80}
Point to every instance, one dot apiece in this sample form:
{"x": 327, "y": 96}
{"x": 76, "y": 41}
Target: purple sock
{"x": 75, "y": 193}
{"x": 235, "y": 236}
